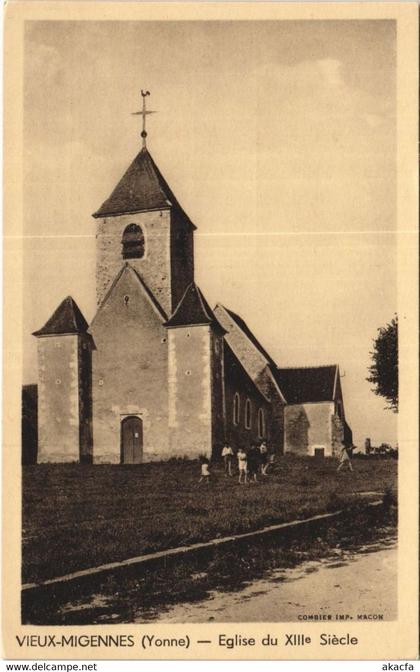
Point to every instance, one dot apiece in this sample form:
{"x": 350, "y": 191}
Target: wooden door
{"x": 131, "y": 440}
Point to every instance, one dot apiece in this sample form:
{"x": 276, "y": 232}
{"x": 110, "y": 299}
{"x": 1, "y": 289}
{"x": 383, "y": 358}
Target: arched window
{"x": 247, "y": 414}
{"x": 236, "y": 409}
{"x": 132, "y": 242}
{"x": 261, "y": 423}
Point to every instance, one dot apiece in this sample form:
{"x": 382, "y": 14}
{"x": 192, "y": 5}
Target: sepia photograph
{"x": 210, "y": 246}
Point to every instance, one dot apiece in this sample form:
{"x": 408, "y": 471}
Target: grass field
{"x": 78, "y": 516}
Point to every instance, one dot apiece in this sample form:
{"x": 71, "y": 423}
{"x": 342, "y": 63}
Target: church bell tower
{"x": 142, "y": 222}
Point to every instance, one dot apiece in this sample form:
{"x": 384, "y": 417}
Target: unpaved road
{"x": 347, "y": 584}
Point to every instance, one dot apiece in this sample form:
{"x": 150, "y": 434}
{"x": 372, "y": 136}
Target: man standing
{"x": 254, "y": 461}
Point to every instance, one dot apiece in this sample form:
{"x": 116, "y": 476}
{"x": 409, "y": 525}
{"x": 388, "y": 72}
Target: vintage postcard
{"x": 210, "y": 440}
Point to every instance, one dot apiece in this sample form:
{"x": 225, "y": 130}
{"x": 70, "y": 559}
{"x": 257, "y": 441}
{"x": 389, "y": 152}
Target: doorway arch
{"x": 131, "y": 440}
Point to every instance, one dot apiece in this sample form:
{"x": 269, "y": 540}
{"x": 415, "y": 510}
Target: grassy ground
{"x": 78, "y": 516}
{"x": 143, "y": 593}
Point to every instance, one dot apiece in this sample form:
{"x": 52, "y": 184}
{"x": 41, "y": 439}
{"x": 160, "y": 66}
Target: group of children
{"x": 256, "y": 460}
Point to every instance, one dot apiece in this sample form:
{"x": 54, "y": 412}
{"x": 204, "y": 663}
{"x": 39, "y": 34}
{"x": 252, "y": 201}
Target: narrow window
{"x": 248, "y": 414}
{"x": 261, "y": 423}
{"x": 236, "y": 409}
{"x": 133, "y": 242}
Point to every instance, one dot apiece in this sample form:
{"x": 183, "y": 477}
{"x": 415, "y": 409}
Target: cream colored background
{"x": 377, "y": 640}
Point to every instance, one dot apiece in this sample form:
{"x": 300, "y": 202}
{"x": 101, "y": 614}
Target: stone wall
{"x": 217, "y": 393}
{"x": 308, "y": 426}
{"x": 237, "y": 434}
{"x": 195, "y": 401}
{"x": 163, "y": 266}
{"x": 85, "y": 398}
{"x": 296, "y": 429}
{"x": 276, "y": 431}
{"x": 182, "y": 257}
{"x": 257, "y": 368}
{"x": 58, "y": 398}
{"x": 337, "y": 434}
{"x": 130, "y": 371}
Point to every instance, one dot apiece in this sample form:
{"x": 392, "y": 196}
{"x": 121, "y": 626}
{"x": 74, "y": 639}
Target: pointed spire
{"x": 142, "y": 188}
{"x": 66, "y": 319}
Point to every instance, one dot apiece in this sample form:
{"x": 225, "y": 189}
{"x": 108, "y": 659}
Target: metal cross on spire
{"x": 144, "y": 113}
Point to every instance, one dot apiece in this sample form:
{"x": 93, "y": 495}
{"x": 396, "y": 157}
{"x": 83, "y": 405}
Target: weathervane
{"x": 143, "y": 113}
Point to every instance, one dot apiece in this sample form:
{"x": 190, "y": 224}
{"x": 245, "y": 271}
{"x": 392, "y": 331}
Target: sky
{"x": 278, "y": 139}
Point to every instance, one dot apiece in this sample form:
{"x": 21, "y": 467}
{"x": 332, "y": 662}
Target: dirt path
{"x": 363, "y": 583}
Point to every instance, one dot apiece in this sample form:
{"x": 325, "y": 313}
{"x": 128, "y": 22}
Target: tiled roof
{"x": 192, "y": 309}
{"x": 141, "y": 188}
{"x": 244, "y": 327}
{"x": 236, "y": 373}
{"x": 312, "y": 383}
{"x": 66, "y": 319}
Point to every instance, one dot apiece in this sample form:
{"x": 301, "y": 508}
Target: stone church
{"x": 159, "y": 373}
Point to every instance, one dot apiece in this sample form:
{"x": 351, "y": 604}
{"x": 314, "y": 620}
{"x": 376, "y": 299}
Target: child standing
{"x": 242, "y": 464}
{"x": 227, "y": 454}
{"x": 205, "y": 471}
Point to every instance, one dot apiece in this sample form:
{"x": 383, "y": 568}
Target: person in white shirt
{"x": 227, "y": 454}
{"x": 243, "y": 465}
